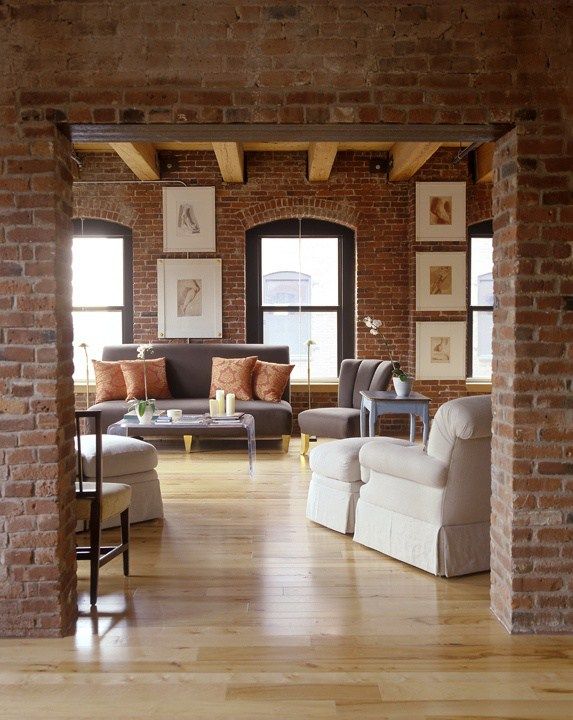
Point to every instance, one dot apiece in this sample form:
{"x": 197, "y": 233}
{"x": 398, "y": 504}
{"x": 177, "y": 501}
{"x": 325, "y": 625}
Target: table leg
{"x": 426, "y": 421}
{"x": 373, "y": 414}
{"x": 188, "y": 440}
{"x": 412, "y": 427}
{"x": 251, "y": 446}
{"x": 362, "y": 418}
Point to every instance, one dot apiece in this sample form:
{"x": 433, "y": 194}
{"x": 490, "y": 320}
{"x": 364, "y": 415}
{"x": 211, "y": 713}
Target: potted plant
{"x": 401, "y": 380}
{"x": 144, "y": 409}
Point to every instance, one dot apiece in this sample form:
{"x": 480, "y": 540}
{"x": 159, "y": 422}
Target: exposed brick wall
{"x": 382, "y": 214}
{"x": 366, "y": 61}
{"x": 37, "y": 557}
{"x": 532, "y": 547}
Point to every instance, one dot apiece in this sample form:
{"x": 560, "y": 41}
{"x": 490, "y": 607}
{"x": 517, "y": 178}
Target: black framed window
{"x": 102, "y": 288}
{"x": 480, "y": 299}
{"x": 300, "y": 287}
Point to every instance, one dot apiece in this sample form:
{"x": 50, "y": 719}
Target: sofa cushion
{"x": 109, "y": 381}
{"x": 233, "y": 375}
{"x": 338, "y": 459}
{"x": 270, "y": 380}
{"x": 133, "y": 374}
{"x": 120, "y": 455}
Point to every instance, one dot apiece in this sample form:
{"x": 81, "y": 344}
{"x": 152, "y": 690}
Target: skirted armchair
{"x": 432, "y": 510}
{"x": 343, "y": 421}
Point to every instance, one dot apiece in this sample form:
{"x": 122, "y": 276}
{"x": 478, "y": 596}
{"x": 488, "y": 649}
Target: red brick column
{"x": 37, "y": 557}
{"x": 532, "y": 523}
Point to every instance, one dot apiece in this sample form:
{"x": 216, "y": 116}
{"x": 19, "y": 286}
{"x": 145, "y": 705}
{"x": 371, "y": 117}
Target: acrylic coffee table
{"x": 376, "y": 403}
{"x": 190, "y": 425}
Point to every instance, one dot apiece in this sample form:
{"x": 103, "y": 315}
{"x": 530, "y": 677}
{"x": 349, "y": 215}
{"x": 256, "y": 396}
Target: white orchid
{"x": 373, "y": 324}
{"x": 143, "y": 350}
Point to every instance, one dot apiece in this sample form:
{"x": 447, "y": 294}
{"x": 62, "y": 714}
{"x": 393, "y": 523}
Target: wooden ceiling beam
{"x": 140, "y": 158}
{"x": 231, "y": 160}
{"x": 409, "y": 157}
{"x": 484, "y": 163}
{"x": 265, "y": 132}
{"x": 320, "y": 160}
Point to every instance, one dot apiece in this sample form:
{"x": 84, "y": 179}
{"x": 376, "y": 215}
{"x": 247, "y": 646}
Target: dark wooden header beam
{"x": 241, "y": 133}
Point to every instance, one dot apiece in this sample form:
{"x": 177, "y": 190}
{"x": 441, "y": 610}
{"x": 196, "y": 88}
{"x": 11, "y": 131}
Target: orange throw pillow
{"x": 157, "y": 387}
{"x": 109, "y": 381}
{"x": 233, "y": 375}
{"x": 270, "y": 380}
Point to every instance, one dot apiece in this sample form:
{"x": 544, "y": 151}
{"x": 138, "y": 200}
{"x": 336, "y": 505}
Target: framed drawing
{"x": 440, "y": 211}
{"x": 189, "y": 299}
{"x": 440, "y": 350}
{"x": 441, "y": 281}
{"x": 189, "y": 219}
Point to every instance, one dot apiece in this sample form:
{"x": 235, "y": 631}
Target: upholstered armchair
{"x": 432, "y": 510}
{"x": 343, "y": 421}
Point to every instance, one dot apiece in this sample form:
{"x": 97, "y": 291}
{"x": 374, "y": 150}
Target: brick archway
{"x": 309, "y": 208}
{"x": 105, "y": 209}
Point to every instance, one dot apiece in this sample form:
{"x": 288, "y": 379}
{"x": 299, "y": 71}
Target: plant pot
{"x": 147, "y": 414}
{"x": 402, "y": 387}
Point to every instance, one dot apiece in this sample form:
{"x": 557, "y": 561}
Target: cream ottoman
{"x": 131, "y": 462}
{"x": 335, "y": 483}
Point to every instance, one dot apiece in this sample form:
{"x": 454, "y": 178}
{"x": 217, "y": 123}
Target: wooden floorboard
{"x": 238, "y": 607}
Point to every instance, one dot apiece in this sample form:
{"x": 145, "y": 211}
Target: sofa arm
{"x": 410, "y": 463}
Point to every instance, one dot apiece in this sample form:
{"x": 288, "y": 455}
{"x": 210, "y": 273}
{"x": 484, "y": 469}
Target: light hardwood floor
{"x": 239, "y": 608}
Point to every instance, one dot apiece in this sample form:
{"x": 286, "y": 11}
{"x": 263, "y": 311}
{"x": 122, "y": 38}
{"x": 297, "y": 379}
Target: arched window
{"x": 102, "y": 288}
{"x": 300, "y": 288}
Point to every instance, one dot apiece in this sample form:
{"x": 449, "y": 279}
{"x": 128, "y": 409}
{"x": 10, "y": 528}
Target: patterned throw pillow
{"x": 157, "y": 387}
{"x": 270, "y": 380}
{"x": 109, "y": 381}
{"x": 233, "y": 375}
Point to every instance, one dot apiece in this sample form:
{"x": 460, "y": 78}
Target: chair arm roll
{"x": 407, "y": 462}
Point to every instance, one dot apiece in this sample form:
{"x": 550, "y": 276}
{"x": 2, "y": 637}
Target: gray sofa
{"x": 189, "y": 377}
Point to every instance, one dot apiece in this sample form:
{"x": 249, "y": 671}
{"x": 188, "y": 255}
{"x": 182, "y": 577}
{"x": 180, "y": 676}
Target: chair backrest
{"x": 94, "y": 417}
{"x": 357, "y": 375}
{"x": 461, "y": 437}
{"x": 466, "y": 418}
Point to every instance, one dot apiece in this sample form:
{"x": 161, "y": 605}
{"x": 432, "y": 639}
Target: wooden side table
{"x": 377, "y": 403}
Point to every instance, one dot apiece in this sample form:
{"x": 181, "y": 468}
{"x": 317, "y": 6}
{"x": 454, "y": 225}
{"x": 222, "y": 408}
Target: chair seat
{"x": 115, "y": 499}
{"x": 336, "y": 422}
{"x": 339, "y": 459}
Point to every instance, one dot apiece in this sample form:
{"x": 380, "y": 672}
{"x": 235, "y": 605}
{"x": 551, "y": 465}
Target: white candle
{"x": 230, "y": 404}
{"x": 220, "y": 397}
{"x": 213, "y": 407}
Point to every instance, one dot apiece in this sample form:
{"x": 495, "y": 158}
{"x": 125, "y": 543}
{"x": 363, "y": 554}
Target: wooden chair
{"x": 97, "y": 501}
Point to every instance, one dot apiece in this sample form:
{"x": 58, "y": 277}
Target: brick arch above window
{"x": 105, "y": 209}
{"x": 286, "y": 208}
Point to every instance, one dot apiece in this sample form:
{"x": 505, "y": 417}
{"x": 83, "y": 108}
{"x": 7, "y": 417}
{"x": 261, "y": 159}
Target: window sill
{"x": 80, "y": 386}
{"x": 478, "y": 387}
{"x": 316, "y": 386}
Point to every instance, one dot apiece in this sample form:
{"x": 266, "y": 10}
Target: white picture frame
{"x": 189, "y": 219}
{"x": 440, "y": 350}
{"x": 189, "y": 298}
{"x": 440, "y": 281}
{"x": 440, "y": 211}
